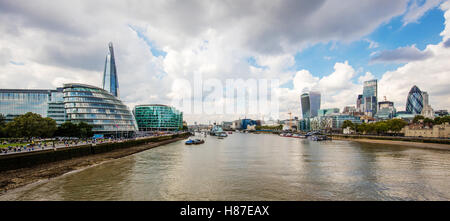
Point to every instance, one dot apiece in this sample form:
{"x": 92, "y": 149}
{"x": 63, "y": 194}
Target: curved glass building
{"x": 98, "y": 107}
{"x": 153, "y": 117}
{"x": 414, "y": 102}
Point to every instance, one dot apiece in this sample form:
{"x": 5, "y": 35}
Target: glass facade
{"x": 95, "y": 106}
{"x": 338, "y": 120}
{"x": 110, "y": 81}
{"x": 306, "y": 106}
{"x": 414, "y": 102}
{"x": 370, "y": 101}
{"x": 16, "y": 102}
{"x": 310, "y": 103}
{"x": 158, "y": 117}
{"x": 325, "y": 112}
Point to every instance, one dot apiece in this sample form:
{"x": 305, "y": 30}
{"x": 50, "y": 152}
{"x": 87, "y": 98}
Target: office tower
{"x": 370, "y": 101}
{"x": 414, "y": 101}
{"x": 359, "y": 101}
{"x": 110, "y": 81}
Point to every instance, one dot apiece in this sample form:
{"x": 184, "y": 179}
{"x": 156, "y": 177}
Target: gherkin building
{"x": 414, "y": 102}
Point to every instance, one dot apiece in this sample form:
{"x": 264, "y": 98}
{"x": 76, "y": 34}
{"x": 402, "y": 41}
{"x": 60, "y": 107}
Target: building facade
{"x": 370, "y": 97}
{"x": 97, "y": 107}
{"x": 47, "y": 103}
{"x": 157, "y": 117}
{"x": 414, "y": 101}
{"x": 310, "y": 104}
{"x": 110, "y": 80}
{"x": 437, "y": 131}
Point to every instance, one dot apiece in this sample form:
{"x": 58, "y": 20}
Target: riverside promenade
{"x": 28, "y": 167}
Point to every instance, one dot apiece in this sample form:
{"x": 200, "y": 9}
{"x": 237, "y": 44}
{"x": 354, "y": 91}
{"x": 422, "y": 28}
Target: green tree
{"x": 381, "y": 127}
{"x": 417, "y": 118}
{"x": 84, "y": 130}
{"x": 31, "y": 125}
{"x": 396, "y": 125}
{"x": 428, "y": 121}
{"x": 2, "y": 125}
{"x": 67, "y": 129}
{"x": 348, "y": 123}
{"x": 441, "y": 120}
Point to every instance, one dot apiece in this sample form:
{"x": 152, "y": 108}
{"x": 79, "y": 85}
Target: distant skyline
{"x": 329, "y": 46}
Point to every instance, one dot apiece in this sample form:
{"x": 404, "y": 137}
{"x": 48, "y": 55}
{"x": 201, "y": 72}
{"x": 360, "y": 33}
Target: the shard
{"x": 110, "y": 81}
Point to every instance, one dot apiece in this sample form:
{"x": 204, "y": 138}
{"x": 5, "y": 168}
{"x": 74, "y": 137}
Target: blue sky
{"x": 320, "y": 58}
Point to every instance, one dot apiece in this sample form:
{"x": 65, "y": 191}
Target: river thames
{"x": 257, "y": 167}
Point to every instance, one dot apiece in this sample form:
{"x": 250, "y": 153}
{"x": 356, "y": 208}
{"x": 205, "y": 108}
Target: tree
{"x": 31, "y": 125}
{"x": 381, "y": 127}
{"x": 67, "y": 129}
{"x": 396, "y": 125}
{"x": 417, "y": 118}
{"x": 441, "y": 120}
{"x": 2, "y": 125}
{"x": 348, "y": 123}
{"x": 85, "y": 130}
{"x": 428, "y": 121}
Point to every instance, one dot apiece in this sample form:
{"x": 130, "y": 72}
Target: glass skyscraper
{"x": 110, "y": 81}
{"x": 97, "y": 107}
{"x": 370, "y": 100}
{"x": 16, "y": 102}
{"x": 154, "y": 117}
{"x": 310, "y": 103}
{"x": 414, "y": 101}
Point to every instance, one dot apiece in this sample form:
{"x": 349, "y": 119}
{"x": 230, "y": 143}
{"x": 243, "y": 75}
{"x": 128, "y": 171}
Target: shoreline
{"x": 433, "y": 146}
{"x": 14, "y": 179}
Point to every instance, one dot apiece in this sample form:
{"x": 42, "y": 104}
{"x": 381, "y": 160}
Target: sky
{"x": 327, "y": 45}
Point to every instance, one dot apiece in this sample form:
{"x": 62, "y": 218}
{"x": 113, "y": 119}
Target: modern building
{"x": 97, "y": 107}
{"x": 338, "y": 120}
{"x": 404, "y": 115}
{"x": 310, "y": 104}
{"x": 441, "y": 113}
{"x": 56, "y": 109}
{"x": 110, "y": 80}
{"x": 386, "y": 110}
{"x": 47, "y": 103}
{"x": 359, "y": 102}
{"x": 245, "y": 123}
{"x": 370, "y": 100}
{"x": 329, "y": 111}
{"x": 349, "y": 110}
{"x": 414, "y": 101}
{"x": 157, "y": 117}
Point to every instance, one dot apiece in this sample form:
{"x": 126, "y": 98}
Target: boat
{"x": 298, "y": 136}
{"x": 286, "y": 135}
{"x": 195, "y": 141}
{"x": 318, "y": 137}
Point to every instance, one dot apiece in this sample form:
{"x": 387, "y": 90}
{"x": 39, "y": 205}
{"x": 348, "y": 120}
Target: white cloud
{"x": 62, "y": 42}
{"x": 415, "y": 12}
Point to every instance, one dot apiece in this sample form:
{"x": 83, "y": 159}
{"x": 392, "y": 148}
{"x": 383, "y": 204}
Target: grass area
{"x": 12, "y": 144}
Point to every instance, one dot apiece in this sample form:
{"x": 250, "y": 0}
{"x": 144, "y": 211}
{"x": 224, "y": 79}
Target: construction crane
{"x": 290, "y": 120}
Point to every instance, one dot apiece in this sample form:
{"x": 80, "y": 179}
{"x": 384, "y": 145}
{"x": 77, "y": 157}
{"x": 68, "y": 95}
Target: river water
{"x": 257, "y": 167}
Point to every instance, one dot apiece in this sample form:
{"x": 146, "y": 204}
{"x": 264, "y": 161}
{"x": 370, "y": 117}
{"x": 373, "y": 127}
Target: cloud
{"x": 368, "y": 76}
{"x": 431, "y": 75}
{"x": 416, "y": 11}
{"x": 401, "y": 55}
{"x": 60, "y": 42}
{"x": 372, "y": 44}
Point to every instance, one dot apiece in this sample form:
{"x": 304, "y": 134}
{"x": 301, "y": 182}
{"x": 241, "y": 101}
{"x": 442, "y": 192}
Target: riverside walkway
{"x": 40, "y": 146}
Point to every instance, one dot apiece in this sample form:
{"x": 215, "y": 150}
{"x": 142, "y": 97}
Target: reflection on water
{"x": 258, "y": 167}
